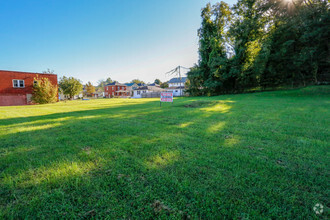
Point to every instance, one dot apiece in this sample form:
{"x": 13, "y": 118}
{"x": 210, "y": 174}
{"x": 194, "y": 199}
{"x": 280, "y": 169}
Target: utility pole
{"x": 177, "y": 72}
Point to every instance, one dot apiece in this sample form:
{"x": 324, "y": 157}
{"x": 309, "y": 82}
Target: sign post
{"x": 166, "y": 97}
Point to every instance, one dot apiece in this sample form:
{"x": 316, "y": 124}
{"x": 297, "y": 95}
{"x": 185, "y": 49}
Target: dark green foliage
{"x": 70, "y": 86}
{"x": 157, "y": 81}
{"x": 261, "y": 44}
{"x": 164, "y": 85}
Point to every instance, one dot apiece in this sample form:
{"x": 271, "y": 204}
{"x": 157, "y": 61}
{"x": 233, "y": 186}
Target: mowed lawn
{"x": 248, "y": 156}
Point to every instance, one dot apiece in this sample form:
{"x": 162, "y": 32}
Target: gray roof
{"x": 153, "y": 84}
{"x": 142, "y": 88}
{"x": 177, "y": 80}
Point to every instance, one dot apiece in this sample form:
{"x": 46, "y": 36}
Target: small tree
{"x": 101, "y": 83}
{"x": 137, "y": 81}
{"x": 90, "y": 89}
{"x": 157, "y": 81}
{"x": 44, "y": 91}
{"x": 164, "y": 85}
{"x": 70, "y": 86}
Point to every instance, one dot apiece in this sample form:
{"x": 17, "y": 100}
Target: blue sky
{"x": 96, "y": 39}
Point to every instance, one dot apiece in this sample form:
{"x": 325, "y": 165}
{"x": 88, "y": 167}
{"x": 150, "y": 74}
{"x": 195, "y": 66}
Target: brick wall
{"x": 108, "y": 90}
{"x": 13, "y": 96}
{"x": 13, "y": 99}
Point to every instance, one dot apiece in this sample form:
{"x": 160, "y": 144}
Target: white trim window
{"x": 138, "y": 92}
{"x": 18, "y": 83}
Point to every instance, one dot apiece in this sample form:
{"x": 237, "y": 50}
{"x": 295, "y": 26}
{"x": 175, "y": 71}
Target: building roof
{"x": 177, "y": 80}
{"x": 129, "y": 84}
{"x": 21, "y": 72}
{"x": 115, "y": 84}
{"x": 141, "y": 84}
{"x": 153, "y": 84}
{"x": 142, "y": 88}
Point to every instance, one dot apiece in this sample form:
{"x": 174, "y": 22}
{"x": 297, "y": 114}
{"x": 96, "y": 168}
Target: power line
{"x": 177, "y": 72}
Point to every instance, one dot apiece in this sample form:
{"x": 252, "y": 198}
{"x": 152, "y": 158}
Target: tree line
{"x": 261, "y": 44}
{"x": 45, "y": 92}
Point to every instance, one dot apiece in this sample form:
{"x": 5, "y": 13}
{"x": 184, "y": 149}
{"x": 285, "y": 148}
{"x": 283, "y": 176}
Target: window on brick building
{"x": 17, "y": 83}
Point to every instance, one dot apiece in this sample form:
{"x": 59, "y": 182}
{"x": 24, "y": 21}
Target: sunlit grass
{"x": 162, "y": 159}
{"x": 256, "y": 156}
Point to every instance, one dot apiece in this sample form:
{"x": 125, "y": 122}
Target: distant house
{"x": 155, "y": 87}
{"x": 62, "y": 97}
{"x": 116, "y": 89}
{"x": 130, "y": 87}
{"x": 177, "y": 86}
{"x": 16, "y": 87}
{"x": 141, "y": 84}
{"x": 95, "y": 94}
{"x": 150, "y": 88}
{"x": 98, "y": 94}
{"x": 177, "y": 81}
{"x": 137, "y": 93}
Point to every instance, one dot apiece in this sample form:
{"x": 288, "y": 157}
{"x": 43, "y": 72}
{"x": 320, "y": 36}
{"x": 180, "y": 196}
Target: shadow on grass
{"x": 143, "y": 161}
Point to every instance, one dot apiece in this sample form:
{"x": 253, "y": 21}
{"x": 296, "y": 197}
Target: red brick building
{"x": 16, "y": 87}
{"x": 115, "y": 90}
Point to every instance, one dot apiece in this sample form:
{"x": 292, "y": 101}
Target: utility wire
{"x": 177, "y": 72}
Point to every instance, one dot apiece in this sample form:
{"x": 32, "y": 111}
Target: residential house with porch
{"x": 116, "y": 89}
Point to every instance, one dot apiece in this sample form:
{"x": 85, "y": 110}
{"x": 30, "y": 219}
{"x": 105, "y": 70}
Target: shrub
{"x": 44, "y": 91}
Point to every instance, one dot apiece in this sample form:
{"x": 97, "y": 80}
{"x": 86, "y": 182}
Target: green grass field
{"x": 248, "y": 156}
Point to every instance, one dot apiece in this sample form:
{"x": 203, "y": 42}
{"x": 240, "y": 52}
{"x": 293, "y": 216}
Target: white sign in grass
{"x": 166, "y": 97}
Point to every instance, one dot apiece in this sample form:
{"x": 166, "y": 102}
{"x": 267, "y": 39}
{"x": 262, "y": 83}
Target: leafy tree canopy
{"x": 164, "y": 85}
{"x": 70, "y": 86}
{"x": 261, "y": 44}
{"x": 137, "y": 81}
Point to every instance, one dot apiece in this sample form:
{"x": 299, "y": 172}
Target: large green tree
{"x": 261, "y": 44}
{"x": 70, "y": 86}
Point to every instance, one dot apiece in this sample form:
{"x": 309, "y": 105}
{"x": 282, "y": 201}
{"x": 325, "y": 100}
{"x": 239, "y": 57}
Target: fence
{"x": 151, "y": 95}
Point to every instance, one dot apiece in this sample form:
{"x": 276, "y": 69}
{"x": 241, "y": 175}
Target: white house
{"x": 177, "y": 86}
{"x": 138, "y": 91}
{"x": 151, "y": 88}
{"x": 174, "y": 82}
